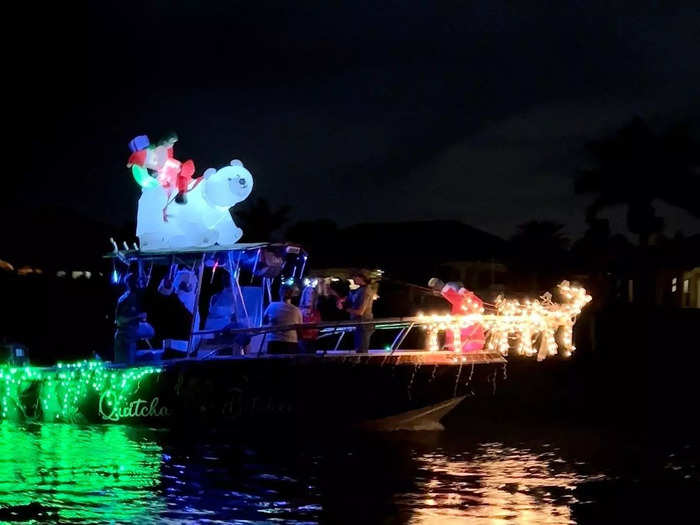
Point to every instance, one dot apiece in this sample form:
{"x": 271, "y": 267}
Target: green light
{"x": 142, "y": 177}
{"x": 60, "y": 395}
{"x": 91, "y": 474}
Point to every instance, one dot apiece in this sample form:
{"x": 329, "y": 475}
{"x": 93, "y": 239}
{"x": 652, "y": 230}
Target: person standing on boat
{"x": 310, "y": 314}
{"x": 358, "y": 304}
{"x": 131, "y": 321}
{"x": 282, "y": 313}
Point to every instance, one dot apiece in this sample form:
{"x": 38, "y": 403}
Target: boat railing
{"x": 403, "y": 325}
{"x": 327, "y": 329}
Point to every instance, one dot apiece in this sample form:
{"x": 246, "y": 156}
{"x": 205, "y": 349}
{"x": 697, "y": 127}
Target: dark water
{"x": 474, "y": 475}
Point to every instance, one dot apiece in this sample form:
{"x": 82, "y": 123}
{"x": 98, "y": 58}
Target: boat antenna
{"x": 255, "y": 265}
{"x": 173, "y": 268}
{"x": 303, "y": 266}
{"x": 213, "y": 271}
{"x": 150, "y": 271}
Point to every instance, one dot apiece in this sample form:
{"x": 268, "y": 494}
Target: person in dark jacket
{"x": 130, "y": 319}
{"x": 358, "y": 304}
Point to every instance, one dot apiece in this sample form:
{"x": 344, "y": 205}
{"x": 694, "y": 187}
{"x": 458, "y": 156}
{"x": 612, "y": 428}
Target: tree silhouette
{"x": 259, "y": 221}
{"x": 599, "y": 255}
{"x": 318, "y": 236}
{"x": 539, "y": 251}
{"x": 635, "y": 166}
{"x": 541, "y": 235}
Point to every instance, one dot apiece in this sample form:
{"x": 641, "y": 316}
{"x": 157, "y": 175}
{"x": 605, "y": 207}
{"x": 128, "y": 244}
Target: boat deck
{"x": 372, "y": 357}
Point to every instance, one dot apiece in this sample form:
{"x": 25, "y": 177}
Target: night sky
{"x": 379, "y": 111}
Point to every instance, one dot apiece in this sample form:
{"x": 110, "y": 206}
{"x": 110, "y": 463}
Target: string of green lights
{"x": 56, "y": 394}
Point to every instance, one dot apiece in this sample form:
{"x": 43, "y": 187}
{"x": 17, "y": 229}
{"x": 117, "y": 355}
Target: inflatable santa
{"x": 470, "y": 338}
{"x": 171, "y": 174}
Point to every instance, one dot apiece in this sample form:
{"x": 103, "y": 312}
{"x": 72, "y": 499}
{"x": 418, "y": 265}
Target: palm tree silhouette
{"x": 539, "y": 251}
{"x": 635, "y": 166}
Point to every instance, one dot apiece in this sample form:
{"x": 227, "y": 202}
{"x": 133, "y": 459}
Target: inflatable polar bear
{"x": 203, "y": 221}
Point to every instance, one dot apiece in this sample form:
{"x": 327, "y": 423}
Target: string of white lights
{"x": 542, "y": 320}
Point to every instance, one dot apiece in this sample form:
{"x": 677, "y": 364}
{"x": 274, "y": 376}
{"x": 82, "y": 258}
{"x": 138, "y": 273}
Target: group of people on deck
{"x": 132, "y": 325}
{"x": 358, "y": 305}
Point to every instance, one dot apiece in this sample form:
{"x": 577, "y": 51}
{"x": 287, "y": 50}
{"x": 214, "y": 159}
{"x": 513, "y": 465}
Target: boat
{"x": 222, "y": 376}
{"x": 214, "y": 382}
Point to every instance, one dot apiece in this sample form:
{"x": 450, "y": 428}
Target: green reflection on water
{"x": 86, "y": 473}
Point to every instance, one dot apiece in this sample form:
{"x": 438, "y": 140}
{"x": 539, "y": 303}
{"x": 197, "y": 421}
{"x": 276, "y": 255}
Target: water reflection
{"x": 87, "y": 474}
{"x": 494, "y": 484}
{"x": 119, "y": 474}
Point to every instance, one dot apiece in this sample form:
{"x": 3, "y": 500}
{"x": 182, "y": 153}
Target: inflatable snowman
{"x": 203, "y": 220}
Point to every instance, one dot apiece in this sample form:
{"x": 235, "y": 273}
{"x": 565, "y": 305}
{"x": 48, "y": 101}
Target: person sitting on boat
{"x": 358, "y": 304}
{"x": 282, "y": 313}
{"x": 310, "y": 314}
{"x": 131, "y": 321}
{"x": 222, "y": 315}
{"x": 463, "y": 302}
{"x": 221, "y": 305}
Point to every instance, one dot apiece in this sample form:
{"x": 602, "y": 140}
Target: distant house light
{"x": 686, "y": 285}
{"x": 630, "y": 290}
{"x": 60, "y": 273}
{"x": 674, "y": 283}
{"x": 27, "y": 270}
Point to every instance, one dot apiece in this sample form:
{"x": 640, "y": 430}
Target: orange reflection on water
{"x": 496, "y": 484}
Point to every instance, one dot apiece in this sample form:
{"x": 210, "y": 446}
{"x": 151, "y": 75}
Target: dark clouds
{"x": 543, "y": 146}
{"x": 403, "y": 111}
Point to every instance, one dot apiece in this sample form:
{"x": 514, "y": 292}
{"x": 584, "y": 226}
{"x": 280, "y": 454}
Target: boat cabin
{"x": 250, "y": 274}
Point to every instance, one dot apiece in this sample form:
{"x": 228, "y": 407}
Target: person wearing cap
{"x": 358, "y": 304}
{"x": 282, "y": 313}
